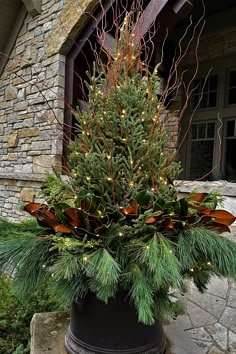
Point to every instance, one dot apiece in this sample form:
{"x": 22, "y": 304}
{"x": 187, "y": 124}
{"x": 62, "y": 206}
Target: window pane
{"x": 230, "y": 161}
{"x": 230, "y": 128}
{"x": 207, "y": 90}
{"x": 204, "y": 101}
{"x": 195, "y": 100}
{"x": 201, "y": 131}
{"x": 232, "y": 78}
{"x": 210, "y": 130}
{"x": 201, "y": 158}
{"x": 232, "y": 96}
{"x": 194, "y": 131}
{"x": 213, "y": 82}
{"x": 205, "y": 85}
{"x": 197, "y": 88}
{"x": 212, "y": 99}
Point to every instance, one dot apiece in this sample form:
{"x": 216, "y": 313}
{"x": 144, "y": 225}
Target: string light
{"x": 99, "y": 212}
{"x": 88, "y": 178}
{"x": 147, "y": 247}
{"x": 153, "y": 189}
{"x": 85, "y": 259}
{"x": 208, "y": 263}
{"x": 120, "y": 234}
{"x": 131, "y": 184}
{"x": 123, "y": 111}
{"x": 109, "y": 179}
{"x": 192, "y": 270}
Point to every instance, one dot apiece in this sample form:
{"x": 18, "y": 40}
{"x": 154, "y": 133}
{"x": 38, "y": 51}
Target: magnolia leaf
{"x": 184, "y": 206}
{"x": 197, "y": 197}
{"x": 72, "y": 214}
{"x": 219, "y": 227}
{"x": 133, "y": 210}
{"x": 222, "y": 217}
{"x": 143, "y": 197}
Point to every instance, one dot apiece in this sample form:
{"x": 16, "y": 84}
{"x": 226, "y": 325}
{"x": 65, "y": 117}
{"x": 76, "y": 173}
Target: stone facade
{"x": 31, "y": 101}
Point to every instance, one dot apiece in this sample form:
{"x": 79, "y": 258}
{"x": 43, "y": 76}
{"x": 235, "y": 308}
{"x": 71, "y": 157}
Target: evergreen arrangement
{"x": 116, "y": 224}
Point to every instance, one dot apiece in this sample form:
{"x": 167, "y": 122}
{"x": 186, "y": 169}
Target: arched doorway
{"x": 157, "y": 15}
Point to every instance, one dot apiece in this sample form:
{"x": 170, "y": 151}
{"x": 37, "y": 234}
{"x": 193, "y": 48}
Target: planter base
{"x": 75, "y": 346}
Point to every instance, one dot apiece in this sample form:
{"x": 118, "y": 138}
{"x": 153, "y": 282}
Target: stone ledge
{"x": 34, "y": 177}
{"x": 48, "y": 332}
{"x": 223, "y": 187}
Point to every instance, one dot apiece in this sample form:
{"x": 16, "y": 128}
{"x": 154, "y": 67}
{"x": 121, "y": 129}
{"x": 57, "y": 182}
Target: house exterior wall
{"x": 31, "y": 101}
{"x": 217, "y": 51}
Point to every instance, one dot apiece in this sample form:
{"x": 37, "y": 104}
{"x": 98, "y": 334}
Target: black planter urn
{"x": 96, "y": 327}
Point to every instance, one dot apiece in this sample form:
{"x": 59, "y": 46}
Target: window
{"x": 230, "y": 149}
{"x": 205, "y": 92}
{"x": 211, "y": 146}
{"x": 202, "y": 148}
{"x": 231, "y": 88}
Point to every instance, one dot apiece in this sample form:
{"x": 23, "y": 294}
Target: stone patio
{"x": 210, "y": 319}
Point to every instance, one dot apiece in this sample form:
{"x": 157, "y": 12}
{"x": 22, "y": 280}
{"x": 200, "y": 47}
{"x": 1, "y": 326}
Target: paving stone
{"x": 218, "y": 287}
{"x": 204, "y": 346}
{"x": 228, "y": 319}
{"x": 232, "y": 297}
{"x": 215, "y": 350}
{"x": 213, "y": 304}
{"x": 199, "y": 317}
{"x": 232, "y": 341}
{"x": 199, "y": 334}
{"x": 184, "y": 322}
{"x": 219, "y": 333}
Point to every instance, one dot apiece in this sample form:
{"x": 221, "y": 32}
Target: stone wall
{"x": 31, "y": 101}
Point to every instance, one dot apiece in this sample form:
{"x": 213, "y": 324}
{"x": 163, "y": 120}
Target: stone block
{"x": 10, "y": 93}
{"x": 41, "y": 145}
{"x": 11, "y": 157}
{"x": 28, "y": 132}
{"x": 27, "y": 195}
{"x": 43, "y": 163}
{"x": 20, "y": 106}
{"x": 12, "y": 140}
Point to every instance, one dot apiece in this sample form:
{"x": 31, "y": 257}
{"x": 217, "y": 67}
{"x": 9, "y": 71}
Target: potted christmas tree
{"x": 114, "y": 239}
